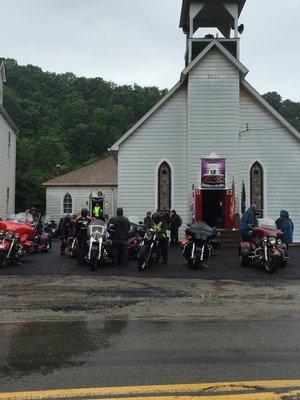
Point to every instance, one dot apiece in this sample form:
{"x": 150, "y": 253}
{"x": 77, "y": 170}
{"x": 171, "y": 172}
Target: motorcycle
{"x": 97, "y": 253}
{"x": 10, "y": 248}
{"x": 135, "y": 238}
{"x": 72, "y": 246}
{"x": 201, "y": 240}
{"x": 32, "y": 237}
{"x": 149, "y": 252}
{"x": 265, "y": 249}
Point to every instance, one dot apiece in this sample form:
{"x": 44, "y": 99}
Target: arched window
{"x": 257, "y": 187}
{"x": 164, "y": 186}
{"x": 68, "y": 204}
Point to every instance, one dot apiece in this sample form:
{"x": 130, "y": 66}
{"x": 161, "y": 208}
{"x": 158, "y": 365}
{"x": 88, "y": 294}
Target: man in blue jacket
{"x": 249, "y": 220}
{"x": 285, "y": 224}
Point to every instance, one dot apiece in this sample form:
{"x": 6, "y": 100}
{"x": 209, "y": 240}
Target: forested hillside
{"x": 65, "y": 120}
{"x": 70, "y": 121}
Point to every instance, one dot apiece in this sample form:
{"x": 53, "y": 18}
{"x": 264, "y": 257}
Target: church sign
{"x": 213, "y": 173}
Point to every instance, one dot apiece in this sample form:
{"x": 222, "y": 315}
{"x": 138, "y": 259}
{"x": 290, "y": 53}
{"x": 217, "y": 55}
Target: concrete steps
{"x": 229, "y": 238}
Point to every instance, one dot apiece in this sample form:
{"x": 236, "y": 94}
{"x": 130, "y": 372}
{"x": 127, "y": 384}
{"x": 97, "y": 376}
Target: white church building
{"x": 8, "y": 133}
{"x": 212, "y": 145}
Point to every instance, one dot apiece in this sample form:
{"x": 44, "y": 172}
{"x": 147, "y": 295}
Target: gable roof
{"x": 184, "y": 74}
{"x": 243, "y": 70}
{"x": 250, "y": 89}
{"x": 101, "y": 173}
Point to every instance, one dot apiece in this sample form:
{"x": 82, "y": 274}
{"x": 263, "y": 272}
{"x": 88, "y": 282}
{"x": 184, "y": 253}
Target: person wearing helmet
{"x": 81, "y": 226}
{"x": 119, "y": 227}
{"x": 161, "y": 228}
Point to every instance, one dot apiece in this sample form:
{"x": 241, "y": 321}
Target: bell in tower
{"x": 220, "y": 14}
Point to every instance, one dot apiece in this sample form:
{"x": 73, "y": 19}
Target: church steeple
{"x": 220, "y": 14}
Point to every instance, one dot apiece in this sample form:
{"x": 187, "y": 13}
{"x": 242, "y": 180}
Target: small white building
{"x": 8, "y": 136}
{"x": 212, "y": 145}
{"x": 70, "y": 193}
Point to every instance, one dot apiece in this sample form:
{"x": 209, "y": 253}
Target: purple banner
{"x": 213, "y": 173}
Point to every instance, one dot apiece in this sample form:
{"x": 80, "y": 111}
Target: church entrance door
{"x": 214, "y": 208}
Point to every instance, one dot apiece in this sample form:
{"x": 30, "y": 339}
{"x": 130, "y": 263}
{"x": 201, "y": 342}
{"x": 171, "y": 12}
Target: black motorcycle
{"x": 201, "y": 240}
{"x": 149, "y": 252}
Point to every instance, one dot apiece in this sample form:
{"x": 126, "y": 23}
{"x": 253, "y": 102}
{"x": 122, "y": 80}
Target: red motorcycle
{"x": 31, "y": 235}
{"x": 265, "y": 249}
{"x": 11, "y": 249}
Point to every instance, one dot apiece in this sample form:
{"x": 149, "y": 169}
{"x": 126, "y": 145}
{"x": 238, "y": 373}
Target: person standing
{"x": 98, "y": 212}
{"x": 120, "y": 227}
{"x": 285, "y": 224}
{"x": 148, "y": 220}
{"x": 81, "y": 227}
{"x": 160, "y": 227}
{"x": 249, "y": 221}
{"x": 64, "y": 233}
{"x": 175, "y": 224}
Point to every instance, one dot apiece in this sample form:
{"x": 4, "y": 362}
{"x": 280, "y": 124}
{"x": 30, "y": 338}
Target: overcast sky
{"x": 129, "y": 41}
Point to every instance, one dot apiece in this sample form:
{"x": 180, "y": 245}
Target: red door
{"x": 229, "y": 209}
{"x": 198, "y": 205}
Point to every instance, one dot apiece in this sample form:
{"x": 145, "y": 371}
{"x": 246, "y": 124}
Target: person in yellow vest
{"x": 160, "y": 227}
{"x": 97, "y": 211}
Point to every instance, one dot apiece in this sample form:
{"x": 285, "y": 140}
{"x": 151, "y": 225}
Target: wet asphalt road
{"x": 73, "y": 354}
{"x": 100, "y": 351}
{"x": 223, "y": 265}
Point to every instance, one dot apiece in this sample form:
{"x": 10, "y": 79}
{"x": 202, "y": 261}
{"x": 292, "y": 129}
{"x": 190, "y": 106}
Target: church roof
{"x": 101, "y": 173}
{"x": 184, "y": 17}
{"x": 243, "y": 70}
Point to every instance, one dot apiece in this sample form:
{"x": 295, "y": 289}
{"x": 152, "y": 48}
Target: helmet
{"x": 84, "y": 212}
{"x": 120, "y": 211}
{"x": 156, "y": 218}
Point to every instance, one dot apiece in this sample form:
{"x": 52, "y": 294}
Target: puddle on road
{"x": 46, "y": 346}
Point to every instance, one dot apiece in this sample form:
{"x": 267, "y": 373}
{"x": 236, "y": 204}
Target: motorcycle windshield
{"x": 97, "y": 228}
{"x": 21, "y": 217}
{"x": 267, "y": 222}
{"x": 201, "y": 228}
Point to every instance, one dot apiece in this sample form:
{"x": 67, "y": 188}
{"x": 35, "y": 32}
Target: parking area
{"x": 223, "y": 265}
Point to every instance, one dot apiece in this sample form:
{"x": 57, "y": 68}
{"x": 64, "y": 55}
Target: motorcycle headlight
{"x": 96, "y": 236}
{"x": 272, "y": 240}
{"x": 9, "y": 235}
{"x": 265, "y": 239}
{"x": 279, "y": 241}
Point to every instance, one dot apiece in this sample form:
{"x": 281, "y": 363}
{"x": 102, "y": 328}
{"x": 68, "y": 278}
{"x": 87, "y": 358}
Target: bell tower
{"x": 220, "y": 14}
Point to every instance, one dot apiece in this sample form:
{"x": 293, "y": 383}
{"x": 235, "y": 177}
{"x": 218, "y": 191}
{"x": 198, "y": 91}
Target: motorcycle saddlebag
{"x": 245, "y": 248}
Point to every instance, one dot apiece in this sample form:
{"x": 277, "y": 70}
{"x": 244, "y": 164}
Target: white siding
{"x": 278, "y": 151}
{"x": 7, "y": 168}
{"x": 161, "y": 138}
{"x": 213, "y": 114}
{"x": 80, "y": 197}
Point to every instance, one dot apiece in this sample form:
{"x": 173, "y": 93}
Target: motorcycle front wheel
{"x": 94, "y": 261}
{"x": 271, "y": 265}
{"x": 143, "y": 258}
{"x": 3, "y": 259}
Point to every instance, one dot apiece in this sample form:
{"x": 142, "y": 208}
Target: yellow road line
{"x": 158, "y": 390}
